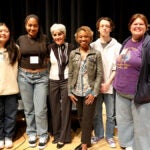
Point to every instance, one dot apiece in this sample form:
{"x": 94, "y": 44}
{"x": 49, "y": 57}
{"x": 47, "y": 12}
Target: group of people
{"x": 96, "y": 72}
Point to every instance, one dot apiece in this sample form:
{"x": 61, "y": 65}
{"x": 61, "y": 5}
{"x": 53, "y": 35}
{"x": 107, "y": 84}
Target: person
{"x": 58, "y": 93}
{"x": 129, "y": 65}
{"x": 9, "y": 56}
{"x": 141, "y": 111}
{"x": 109, "y": 48}
{"x": 33, "y": 80}
{"x": 85, "y": 77}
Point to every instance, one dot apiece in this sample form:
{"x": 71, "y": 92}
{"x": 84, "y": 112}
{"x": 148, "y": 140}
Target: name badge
{"x": 34, "y": 59}
{"x": 1, "y": 57}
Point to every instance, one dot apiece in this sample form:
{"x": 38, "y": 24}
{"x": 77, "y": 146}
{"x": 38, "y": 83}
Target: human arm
{"x": 106, "y": 85}
{"x": 71, "y": 71}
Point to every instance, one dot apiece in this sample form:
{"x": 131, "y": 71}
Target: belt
{"x": 33, "y": 70}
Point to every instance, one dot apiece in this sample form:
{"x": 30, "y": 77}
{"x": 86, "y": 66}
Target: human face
{"x": 4, "y": 34}
{"x": 83, "y": 39}
{"x": 137, "y": 29}
{"x": 32, "y": 27}
{"x": 58, "y": 37}
{"x": 104, "y": 28}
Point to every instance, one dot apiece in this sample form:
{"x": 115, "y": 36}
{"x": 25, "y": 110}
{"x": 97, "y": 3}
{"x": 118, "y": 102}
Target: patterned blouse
{"x": 82, "y": 87}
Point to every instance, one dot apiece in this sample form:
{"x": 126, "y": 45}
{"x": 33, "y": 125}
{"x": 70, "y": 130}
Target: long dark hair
{"x": 11, "y": 47}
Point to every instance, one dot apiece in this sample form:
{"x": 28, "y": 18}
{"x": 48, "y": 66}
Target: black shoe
{"x": 60, "y": 145}
{"x": 54, "y": 141}
{"x": 79, "y": 147}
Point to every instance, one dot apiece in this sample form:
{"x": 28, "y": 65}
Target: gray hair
{"x": 59, "y": 27}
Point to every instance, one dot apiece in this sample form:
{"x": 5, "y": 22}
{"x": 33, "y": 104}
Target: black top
{"x": 33, "y": 52}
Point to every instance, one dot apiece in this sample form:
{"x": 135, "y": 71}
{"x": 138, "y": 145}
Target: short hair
{"x": 87, "y": 29}
{"x": 112, "y": 25}
{"x": 58, "y": 26}
{"x": 138, "y": 15}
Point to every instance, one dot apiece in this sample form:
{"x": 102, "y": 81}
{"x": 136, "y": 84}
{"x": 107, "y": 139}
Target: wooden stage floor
{"x": 21, "y": 140}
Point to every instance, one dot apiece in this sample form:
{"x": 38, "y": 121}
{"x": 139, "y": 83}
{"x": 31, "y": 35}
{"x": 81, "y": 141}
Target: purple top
{"x": 128, "y": 68}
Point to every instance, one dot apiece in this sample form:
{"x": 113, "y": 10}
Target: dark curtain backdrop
{"x": 72, "y": 13}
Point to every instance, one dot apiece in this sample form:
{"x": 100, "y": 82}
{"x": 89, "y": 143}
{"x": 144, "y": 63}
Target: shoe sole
{"x": 8, "y": 147}
{"x": 41, "y": 147}
{"x": 94, "y": 142}
{"x": 1, "y": 147}
{"x": 113, "y": 146}
{"x": 32, "y": 145}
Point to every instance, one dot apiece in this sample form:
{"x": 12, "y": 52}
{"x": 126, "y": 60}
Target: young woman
{"x": 9, "y": 55}
{"x": 85, "y": 77}
{"x": 33, "y": 80}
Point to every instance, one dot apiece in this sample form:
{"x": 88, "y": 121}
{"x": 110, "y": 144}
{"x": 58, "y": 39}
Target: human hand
{"x": 89, "y": 99}
{"x": 73, "y": 98}
{"x": 104, "y": 87}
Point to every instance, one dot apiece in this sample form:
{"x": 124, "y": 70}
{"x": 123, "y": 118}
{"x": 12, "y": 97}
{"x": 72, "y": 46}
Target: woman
{"x": 58, "y": 94}
{"x": 85, "y": 77}
{"x": 129, "y": 65}
{"x": 33, "y": 81}
{"x": 9, "y": 55}
{"x": 141, "y": 110}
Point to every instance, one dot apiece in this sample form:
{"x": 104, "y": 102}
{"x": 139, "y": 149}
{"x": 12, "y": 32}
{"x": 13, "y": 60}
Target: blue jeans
{"x": 8, "y": 111}
{"x": 124, "y": 120}
{"x": 108, "y": 99}
{"x": 34, "y": 91}
{"x": 141, "y": 119}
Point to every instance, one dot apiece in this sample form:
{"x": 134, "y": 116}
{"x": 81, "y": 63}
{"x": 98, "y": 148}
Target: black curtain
{"x": 72, "y": 13}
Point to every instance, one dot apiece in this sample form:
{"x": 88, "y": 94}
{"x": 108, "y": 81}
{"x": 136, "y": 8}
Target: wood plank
{"x": 21, "y": 139}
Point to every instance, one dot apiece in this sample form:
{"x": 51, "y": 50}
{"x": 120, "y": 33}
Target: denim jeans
{"x": 124, "y": 118}
{"x": 141, "y": 117}
{"x": 108, "y": 99}
{"x": 34, "y": 91}
{"x": 8, "y": 111}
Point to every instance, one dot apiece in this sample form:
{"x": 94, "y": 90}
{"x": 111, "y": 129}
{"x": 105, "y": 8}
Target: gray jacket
{"x": 94, "y": 69}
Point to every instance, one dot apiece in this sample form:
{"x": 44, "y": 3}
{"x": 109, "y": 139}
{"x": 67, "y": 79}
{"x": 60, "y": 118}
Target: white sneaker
{"x": 111, "y": 142}
{"x": 42, "y": 142}
{"x": 128, "y": 148}
{"x": 1, "y": 144}
{"x": 8, "y": 142}
{"x": 95, "y": 139}
{"x": 32, "y": 141}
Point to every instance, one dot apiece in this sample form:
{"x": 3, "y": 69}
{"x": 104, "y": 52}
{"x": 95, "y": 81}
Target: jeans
{"x": 141, "y": 119}
{"x": 34, "y": 91}
{"x": 124, "y": 120}
{"x": 8, "y": 111}
{"x": 108, "y": 99}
